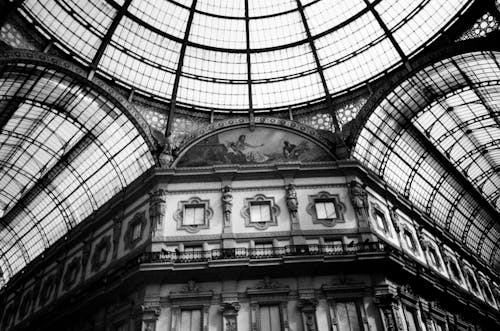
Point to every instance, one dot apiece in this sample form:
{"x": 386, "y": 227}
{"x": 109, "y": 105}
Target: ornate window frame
{"x": 376, "y": 209}
{"x": 179, "y": 214}
{"x": 139, "y": 219}
{"x": 469, "y": 274}
{"x": 409, "y": 230}
{"x": 324, "y": 196}
{"x": 260, "y": 198}
{"x": 449, "y": 259}
{"x": 486, "y": 290}
{"x": 26, "y": 304}
{"x": 72, "y": 270}
{"x": 97, "y": 261}
{"x": 268, "y": 293}
{"x": 47, "y": 289}
{"x": 191, "y": 297}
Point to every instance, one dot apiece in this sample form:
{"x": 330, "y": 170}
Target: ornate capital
{"x": 229, "y": 308}
{"x": 307, "y": 304}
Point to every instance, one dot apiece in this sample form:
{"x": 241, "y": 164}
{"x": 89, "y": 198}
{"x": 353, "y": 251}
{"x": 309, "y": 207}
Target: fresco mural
{"x": 262, "y": 145}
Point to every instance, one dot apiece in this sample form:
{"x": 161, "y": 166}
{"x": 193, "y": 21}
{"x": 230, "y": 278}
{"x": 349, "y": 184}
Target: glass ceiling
{"x": 233, "y": 55}
{"x": 455, "y": 105}
{"x": 65, "y": 150}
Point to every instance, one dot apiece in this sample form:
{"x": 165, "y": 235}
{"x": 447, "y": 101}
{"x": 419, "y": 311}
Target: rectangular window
{"x": 260, "y": 212}
{"x": 348, "y": 316}
{"x": 270, "y": 319}
{"x": 411, "y": 320}
{"x": 439, "y": 326}
{"x": 194, "y": 215}
{"x": 136, "y": 231}
{"x": 325, "y": 210}
{"x": 380, "y": 220}
{"x": 191, "y": 320}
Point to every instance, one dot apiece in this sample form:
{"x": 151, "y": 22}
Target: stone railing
{"x": 261, "y": 253}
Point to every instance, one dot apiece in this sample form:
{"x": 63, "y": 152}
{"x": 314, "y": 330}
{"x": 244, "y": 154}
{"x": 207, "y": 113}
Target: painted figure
{"x": 248, "y": 151}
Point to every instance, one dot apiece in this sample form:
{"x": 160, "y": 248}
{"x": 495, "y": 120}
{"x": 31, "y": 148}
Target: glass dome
{"x": 236, "y": 55}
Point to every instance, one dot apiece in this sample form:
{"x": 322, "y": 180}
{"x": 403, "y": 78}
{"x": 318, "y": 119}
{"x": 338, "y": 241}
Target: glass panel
{"x": 188, "y": 217}
{"x": 270, "y": 318}
{"x": 352, "y": 313}
{"x": 136, "y": 233}
{"x": 411, "y": 320}
{"x": 199, "y": 215}
{"x": 342, "y": 316}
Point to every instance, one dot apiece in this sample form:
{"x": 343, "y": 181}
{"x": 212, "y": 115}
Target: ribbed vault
{"x": 66, "y": 147}
{"x": 435, "y": 139}
{"x": 242, "y": 55}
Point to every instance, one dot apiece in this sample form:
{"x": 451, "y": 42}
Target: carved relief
{"x": 359, "y": 199}
{"x": 267, "y": 283}
{"x": 395, "y": 219}
{"x": 190, "y": 287}
{"x": 71, "y": 273}
{"x": 139, "y": 219}
{"x": 227, "y": 204}
{"x": 291, "y": 201}
{"x": 260, "y": 199}
{"x": 180, "y": 215}
{"x": 229, "y": 315}
{"x": 330, "y": 220}
{"x": 101, "y": 252}
{"x": 157, "y": 210}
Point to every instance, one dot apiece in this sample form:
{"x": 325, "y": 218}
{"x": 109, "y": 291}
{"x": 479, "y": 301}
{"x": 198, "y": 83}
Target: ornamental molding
{"x": 191, "y": 294}
{"x": 340, "y": 208}
{"x": 179, "y": 215}
{"x": 260, "y": 198}
{"x": 71, "y": 273}
{"x": 47, "y": 289}
{"x": 139, "y": 219}
{"x": 98, "y": 261}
